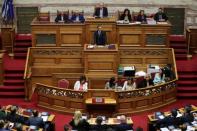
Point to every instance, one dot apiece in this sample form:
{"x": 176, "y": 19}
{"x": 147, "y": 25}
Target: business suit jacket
{"x": 100, "y": 39}
{"x": 83, "y": 125}
{"x": 141, "y": 19}
{"x": 36, "y": 121}
{"x": 156, "y": 16}
{"x": 59, "y": 18}
{"x": 81, "y": 18}
{"x": 2, "y": 115}
{"x": 144, "y": 83}
{"x": 123, "y": 127}
{"x": 123, "y": 16}
{"x": 15, "y": 118}
{"x": 97, "y": 12}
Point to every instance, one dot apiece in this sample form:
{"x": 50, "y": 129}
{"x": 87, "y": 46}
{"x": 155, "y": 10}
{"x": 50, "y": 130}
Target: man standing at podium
{"x": 101, "y": 11}
{"x": 100, "y": 36}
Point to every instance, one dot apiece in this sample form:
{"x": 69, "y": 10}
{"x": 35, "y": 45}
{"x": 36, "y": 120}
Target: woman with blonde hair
{"x": 78, "y": 123}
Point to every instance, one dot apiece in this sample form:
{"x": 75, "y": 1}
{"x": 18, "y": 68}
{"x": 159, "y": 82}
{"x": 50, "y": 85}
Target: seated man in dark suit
{"x": 141, "y": 17}
{"x": 99, "y": 126}
{"x": 188, "y": 116}
{"x": 171, "y": 120}
{"x": 2, "y": 113}
{"x": 100, "y": 37}
{"x": 147, "y": 81}
{"x": 160, "y": 16}
{"x": 77, "y": 17}
{"x": 61, "y": 16}
{"x": 123, "y": 126}
{"x": 35, "y": 120}
{"x": 13, "y": 115}
{"x": 101, "y": 11}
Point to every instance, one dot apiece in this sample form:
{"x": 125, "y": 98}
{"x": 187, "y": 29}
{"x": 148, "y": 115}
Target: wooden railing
{"x": 132, "y": 101}
{"x": 1, "y": 69}
{"x": 27, "y": 76}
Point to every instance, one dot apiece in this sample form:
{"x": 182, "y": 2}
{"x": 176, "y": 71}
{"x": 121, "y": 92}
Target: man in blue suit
{"x": 123, "y": 126}
{"x": 35, "y": 120}
{"x": 100, "y": 37}
{"x": 77, "y": 17}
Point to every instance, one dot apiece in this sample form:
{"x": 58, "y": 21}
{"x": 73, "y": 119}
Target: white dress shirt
{"x": 128, "y": 87}
{"x": 101, "y": 12}
{"x": 77, "y": 86}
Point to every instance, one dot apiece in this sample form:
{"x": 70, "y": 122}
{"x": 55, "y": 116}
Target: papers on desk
{"x": 164, "y": 129}
{"x": 127, "y": 22}
{"x": 90, "y": 46}
{"x": 45, "y": 118}
{"x": 151, "y": 22}
{"x": 190, "y": 128}
{"x": 162, "y": 23}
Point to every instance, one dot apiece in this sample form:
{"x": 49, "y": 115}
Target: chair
{"x": 63, "y": 83}
{"x": 44, "y": 17}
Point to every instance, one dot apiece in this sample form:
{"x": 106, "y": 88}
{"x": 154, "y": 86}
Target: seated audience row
{"x": 80, "y": 124}
{"x": 101, "y": 11}
{"x": 15, "y": 115}
{"x": 166, "y": 74}
{"x": 64, "y": 17}
{"x": 177, "y": 119}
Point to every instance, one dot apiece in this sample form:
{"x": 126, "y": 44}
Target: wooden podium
{"x": 8, "y": 33}
{"x": 108, "y": 25}
{"x": 101, "y": 63}
{"x": 191, "y": 35}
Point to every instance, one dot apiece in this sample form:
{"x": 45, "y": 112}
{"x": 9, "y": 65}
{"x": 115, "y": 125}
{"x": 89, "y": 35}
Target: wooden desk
{"x": 107, "y": 101}
{"x": 191, "y": 36}
{"x": 57, "y": 34}
{"x": 8, "y": 37}
{"x": 143, "y": 35}
{"x": 51, "y": 117}
{"x": 110, "y": 121}
{"x": 152, "y": 120}
{"x": 108, "y": 25}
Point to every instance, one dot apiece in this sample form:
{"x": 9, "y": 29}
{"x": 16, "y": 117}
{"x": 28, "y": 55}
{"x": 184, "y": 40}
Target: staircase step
{"x": 187, "y": 95}
{"x": 20, "y": 50}
{"x": 22, "y": 44}
{"x": 187, "y": 89}
{"x": 12, "y": 94}
{"x": 13, "y": 76}
{"x": 23, "y": 37}
{"x": 11, "y": 71}
{"x": 187, "y": 83}
{"x": 13, "y": 82}
{"x": 20, "y": 55}
{"x": 11, "y": 88}
{"x": 181, "y": 56}
{"x": 177, "y": 38}
{"x": 178, "y": 45}
{"x": 180, "y": 51}
{"x": 187, "y": 77}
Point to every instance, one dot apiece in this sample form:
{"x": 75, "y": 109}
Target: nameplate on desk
{"x": 98, "y": 100}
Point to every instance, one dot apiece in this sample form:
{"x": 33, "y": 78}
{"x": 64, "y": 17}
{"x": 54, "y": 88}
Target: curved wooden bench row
{"x": 126, "y": 102}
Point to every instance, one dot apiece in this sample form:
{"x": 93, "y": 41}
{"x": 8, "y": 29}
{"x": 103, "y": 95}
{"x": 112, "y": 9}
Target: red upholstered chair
{"x": 63, "y": 83}
{"x": 44, "y": 17}
{"x": 139, "y": 80}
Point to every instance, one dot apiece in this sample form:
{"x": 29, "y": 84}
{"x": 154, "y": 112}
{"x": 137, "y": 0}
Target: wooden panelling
{"x": 65, "y": 34}
{"x": 137, "y": 35}
{"x": 130, "y": 39}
